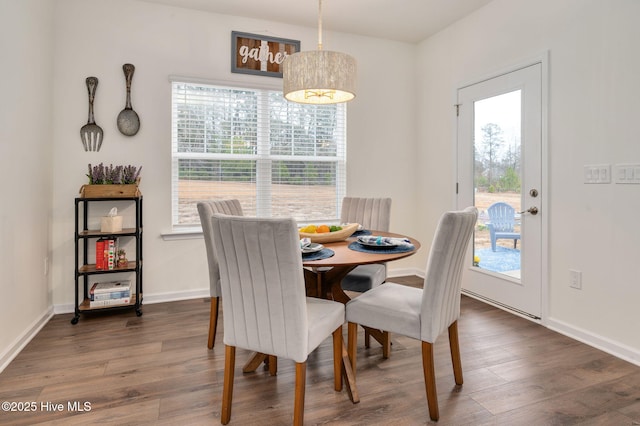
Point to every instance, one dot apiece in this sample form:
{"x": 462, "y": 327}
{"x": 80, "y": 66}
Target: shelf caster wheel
{"x": 74, "y": 320}
{"x": 138, "y": 312}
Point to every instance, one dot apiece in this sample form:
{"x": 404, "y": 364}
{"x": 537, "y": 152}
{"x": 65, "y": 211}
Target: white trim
{"x": 544, "y": 190}
{"x": 403, "y": 272}
{"x": 187, "y": 234}
{"x": 175, "y": 296}
{"x": 21, "y": 341}
{"x": 234, "y": 83}
{"x": 609, "y": 346}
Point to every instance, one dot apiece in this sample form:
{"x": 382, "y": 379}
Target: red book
{"x": 100, "y": 254}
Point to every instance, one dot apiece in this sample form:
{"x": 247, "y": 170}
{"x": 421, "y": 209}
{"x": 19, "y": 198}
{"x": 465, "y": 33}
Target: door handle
{"x": 533, "y": 210}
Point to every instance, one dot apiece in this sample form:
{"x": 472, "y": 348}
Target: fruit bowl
{"x": 330, "y": 237}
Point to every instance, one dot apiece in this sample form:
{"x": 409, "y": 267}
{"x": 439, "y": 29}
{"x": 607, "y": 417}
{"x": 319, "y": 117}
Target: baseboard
{"x": 14, "y": 349}
{"x": 173, "y": 296}
{"x": 404, "y": 272}
{"x": 604, "y": 344}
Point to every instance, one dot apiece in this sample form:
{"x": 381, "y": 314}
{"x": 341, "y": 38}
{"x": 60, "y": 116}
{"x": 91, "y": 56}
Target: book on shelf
{"x": 109, "y": 302}
{"x": 100, "y": 253}
{"x": 111, "y": 295}
{"x": 106, "y": 249}
{"x": 108, "y": 287}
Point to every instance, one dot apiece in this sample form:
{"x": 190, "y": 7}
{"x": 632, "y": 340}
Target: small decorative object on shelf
{"x": 106, "y": 182}
{"x": 122, "y": 259}
{"x": 112, "y": 222}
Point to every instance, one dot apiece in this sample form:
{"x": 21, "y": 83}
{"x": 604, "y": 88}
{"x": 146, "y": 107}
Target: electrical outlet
{"x": 575, "y": 279}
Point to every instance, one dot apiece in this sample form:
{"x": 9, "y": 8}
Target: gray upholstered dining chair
{"x": 265, "y": 306}
{"x": 372, "y": 214}
{"x": 206, "y": 209}
{"x": 425, "y": 313}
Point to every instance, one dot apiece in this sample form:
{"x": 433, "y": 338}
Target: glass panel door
{"x": 500, "y": 169}
{"x": 496, "y": 181}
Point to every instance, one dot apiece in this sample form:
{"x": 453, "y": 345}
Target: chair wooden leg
{"x": 337, "y": 359}
{"x": 254, "y": 362}
{"x": 352, "y": 343}
{"x": 454, "y": 345}
{"x": 213, "y": 321}
{"x": 273, "y": 365}
{"x": 298, "y": 405}
{"x": 227, "y": 392}
{"x": 430, "y": 380}
{"x": 386, "y": 344}
{"x": 367, "y": 338}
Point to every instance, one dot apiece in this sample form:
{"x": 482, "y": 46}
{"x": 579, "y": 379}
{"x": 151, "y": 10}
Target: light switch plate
{"x": 597, "y": 173}
{"x": 627, "y": 173}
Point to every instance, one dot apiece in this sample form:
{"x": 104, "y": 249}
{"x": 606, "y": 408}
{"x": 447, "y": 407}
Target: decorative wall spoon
{"x": 128, "y": 120}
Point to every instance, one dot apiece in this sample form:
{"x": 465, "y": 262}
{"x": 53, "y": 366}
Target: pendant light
{"x": 319, "y": 76}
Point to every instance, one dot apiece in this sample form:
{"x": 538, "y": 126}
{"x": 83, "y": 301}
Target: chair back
{"x": 206, "y": 209}
{"x": 371, "y": 213}
{"x": 263, "y": 291}
{"x": 443, "y": 278}
{"x": 502, "y": 216}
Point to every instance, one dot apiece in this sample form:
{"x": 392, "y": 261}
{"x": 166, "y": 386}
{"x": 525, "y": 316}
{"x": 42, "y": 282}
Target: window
{"x": 278, "y": 158}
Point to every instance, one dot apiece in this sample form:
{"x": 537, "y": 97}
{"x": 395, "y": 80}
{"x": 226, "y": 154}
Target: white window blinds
{"x": 278, "y": 158}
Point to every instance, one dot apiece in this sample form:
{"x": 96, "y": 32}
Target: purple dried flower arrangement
{"x": 99, "y": 175}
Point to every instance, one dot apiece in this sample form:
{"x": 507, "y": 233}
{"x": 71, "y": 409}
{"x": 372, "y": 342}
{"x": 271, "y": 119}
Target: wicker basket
{"x": 330, "y": 237}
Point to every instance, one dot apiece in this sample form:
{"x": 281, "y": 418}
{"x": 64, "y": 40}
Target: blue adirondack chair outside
{"x": 502, "y": 218}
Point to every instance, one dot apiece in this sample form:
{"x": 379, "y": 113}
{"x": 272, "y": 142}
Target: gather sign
{"x": 262, "y": 55}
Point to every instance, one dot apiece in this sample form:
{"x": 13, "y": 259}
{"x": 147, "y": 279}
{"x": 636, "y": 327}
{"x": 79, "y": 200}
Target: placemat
{"x": 361, "y": 233}
{"x": 356, "y": 246}
{"x": 325, "y": 253}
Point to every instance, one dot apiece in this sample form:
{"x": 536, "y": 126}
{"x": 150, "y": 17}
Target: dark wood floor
{"x": 156, "y": 369}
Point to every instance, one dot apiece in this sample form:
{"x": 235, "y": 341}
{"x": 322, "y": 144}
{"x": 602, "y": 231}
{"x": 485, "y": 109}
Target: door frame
{"x": 543, "y": 60}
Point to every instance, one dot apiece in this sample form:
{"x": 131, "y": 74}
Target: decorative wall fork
{"x": 91, "y": 133}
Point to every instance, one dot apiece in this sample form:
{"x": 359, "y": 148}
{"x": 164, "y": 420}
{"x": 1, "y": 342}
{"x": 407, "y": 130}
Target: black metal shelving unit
{"x": 84, "y": 269}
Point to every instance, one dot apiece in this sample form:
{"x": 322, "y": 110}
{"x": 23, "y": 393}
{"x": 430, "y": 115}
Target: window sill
{"x": 182, "y": 234}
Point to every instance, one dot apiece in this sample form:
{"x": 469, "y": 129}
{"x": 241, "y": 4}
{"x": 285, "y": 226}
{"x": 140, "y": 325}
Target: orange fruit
{"x": 322, "y": 229}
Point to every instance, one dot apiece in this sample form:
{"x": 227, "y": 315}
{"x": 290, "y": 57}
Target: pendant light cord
{"x": 319, "y": 24}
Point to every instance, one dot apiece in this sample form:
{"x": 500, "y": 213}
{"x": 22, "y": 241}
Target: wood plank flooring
{"x": 157, "y": 370}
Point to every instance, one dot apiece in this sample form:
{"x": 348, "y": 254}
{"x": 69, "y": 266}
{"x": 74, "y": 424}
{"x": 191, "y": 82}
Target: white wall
{"x": 593, "y": 110}
{"x": 26, "y": 29}
{"x": 162, "y": 41}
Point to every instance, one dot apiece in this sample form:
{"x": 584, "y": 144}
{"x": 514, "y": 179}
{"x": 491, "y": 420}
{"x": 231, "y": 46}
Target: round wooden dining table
{"x": 323, "y": 277}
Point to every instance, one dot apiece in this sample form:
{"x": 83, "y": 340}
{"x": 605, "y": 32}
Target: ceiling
{"x": 402, "y": 20}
